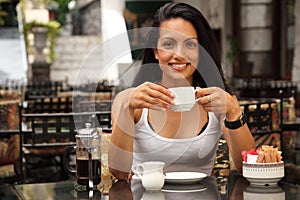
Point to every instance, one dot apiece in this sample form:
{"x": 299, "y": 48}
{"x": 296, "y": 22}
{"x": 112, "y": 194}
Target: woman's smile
{"x": 179, "y": 66}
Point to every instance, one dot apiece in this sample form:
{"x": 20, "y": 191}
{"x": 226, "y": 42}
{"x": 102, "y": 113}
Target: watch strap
{"x": 237, "y": 123}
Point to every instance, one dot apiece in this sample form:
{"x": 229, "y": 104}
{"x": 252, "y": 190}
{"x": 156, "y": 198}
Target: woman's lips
{"x": 179, "y": 66}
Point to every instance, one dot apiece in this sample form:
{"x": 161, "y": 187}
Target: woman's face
{"x": 177, "y": 50}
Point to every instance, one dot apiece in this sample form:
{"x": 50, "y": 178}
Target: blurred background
{"x": 258, "y": 37}
{"x": 57, "y": 52}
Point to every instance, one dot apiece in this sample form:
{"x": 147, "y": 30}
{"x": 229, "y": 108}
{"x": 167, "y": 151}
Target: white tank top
{"x": 195, "y": 154}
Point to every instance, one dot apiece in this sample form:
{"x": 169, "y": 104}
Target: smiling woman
{"x": 181, "y": 51}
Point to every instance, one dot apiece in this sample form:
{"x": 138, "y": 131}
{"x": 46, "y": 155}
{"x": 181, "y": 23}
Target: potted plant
{"x": 45, "y": 35}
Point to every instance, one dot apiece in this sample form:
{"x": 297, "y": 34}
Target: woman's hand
{"x": 151, "y": 95}
{"x": 215, "y": 99}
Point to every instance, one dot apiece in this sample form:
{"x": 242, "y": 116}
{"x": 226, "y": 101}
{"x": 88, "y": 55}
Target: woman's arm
{"x": 237, "y": 139}
{"x": 121, "y": 143}
{"x": 226, "y": 105}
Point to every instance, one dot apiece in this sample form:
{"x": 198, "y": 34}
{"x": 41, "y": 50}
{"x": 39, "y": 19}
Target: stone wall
{"x": 72, "y": 52}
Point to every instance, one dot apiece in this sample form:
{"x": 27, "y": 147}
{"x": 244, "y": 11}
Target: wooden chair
{"x": 261, "y": 88}
{"x": 49, "y": 134}
{"x": 49, "y": 104}
{"x": 98, "y": 105}
{"x": 10, "y": 171}
{"x": 37, "y": 88}
{"x": 54, "y": 104}
{"x": 263, "y": 122}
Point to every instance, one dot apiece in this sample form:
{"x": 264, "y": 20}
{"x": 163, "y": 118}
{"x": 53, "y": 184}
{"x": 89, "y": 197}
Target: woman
{"x": 182, "y": 52}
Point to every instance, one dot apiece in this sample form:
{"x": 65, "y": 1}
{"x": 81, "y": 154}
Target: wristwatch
{"x": 237, "y": 123}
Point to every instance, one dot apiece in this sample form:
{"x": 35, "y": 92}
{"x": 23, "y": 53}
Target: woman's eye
{"x": 168, "y": 44}
{"x": 191, "y": 44}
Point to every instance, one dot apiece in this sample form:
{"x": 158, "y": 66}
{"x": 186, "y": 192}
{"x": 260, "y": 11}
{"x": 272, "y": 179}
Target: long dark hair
{"x": 206, "y": 39}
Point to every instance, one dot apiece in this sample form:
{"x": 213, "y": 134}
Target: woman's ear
{"x": 155, "y": 54}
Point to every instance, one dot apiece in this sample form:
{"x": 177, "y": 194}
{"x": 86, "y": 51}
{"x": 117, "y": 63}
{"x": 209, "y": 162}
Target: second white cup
{"x": 151, "y": 174}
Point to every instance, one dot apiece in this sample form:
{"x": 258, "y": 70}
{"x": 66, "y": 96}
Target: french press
{"x": 88, "y": 158}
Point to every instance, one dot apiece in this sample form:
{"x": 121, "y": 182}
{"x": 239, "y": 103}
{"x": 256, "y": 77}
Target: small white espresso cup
{"x": 184, "y": 98}
{"x": 151, "y": 174}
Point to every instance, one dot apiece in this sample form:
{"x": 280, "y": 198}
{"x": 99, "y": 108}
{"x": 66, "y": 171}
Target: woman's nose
{"x": 179, "y": 52}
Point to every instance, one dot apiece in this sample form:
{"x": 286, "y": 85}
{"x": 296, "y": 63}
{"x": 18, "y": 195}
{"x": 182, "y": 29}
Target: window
{"x": 264, "y": 33}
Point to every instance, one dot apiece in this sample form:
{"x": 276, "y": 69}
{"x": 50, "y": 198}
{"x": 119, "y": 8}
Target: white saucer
{"x": 184, "y": 177}
{"x": 183, "y": 188}
{"x": 180, "y": 177}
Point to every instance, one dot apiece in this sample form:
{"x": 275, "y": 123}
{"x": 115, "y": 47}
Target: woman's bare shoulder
{"x": 122, "y": 99}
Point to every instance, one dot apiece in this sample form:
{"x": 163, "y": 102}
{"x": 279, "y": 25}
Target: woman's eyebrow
{"x": 191, "y": 38}
{"x": 171, "y": 38}
{"x": 167, "y": 38}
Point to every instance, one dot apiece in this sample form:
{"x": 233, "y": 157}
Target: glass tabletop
{"x": 234, "y": 187}
{"x": 58, "y": 190}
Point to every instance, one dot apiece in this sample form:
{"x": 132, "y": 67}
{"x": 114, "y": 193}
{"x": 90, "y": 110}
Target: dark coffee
{"x": 83, "y": 172}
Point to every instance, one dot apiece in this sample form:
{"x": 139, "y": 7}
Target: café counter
{"x": 233, "y": 187}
